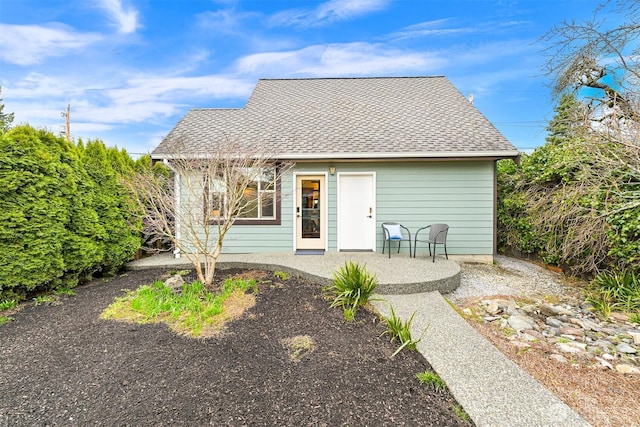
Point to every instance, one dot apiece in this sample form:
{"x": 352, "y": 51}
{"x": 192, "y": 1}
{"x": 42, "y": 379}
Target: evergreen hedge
{"x": 65, "y": 214}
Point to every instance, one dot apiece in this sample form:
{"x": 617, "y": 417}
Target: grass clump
{"x": 5, "y": 319}
{"x": 432, "y": 380}
{"x": 401, "y": 330}
{"x": 352, "y": 287}
{"x": 46, "y": 300}
{"x": 8, "y": 304}
{"x": 615, "y": 291}
{"x": 461, "y": 413}
{"x": 282, "y": 275}
{"x": 193, "y": 312}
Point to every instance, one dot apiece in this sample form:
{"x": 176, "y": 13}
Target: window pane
{"x": 268, "y": 205}
{"x": 217, "y": 205}
{"x": 268, "y": 179}
{"x": 249, "y": 201}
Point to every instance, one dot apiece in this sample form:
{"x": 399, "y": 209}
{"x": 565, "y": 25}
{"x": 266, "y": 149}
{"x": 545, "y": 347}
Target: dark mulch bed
{"x": 62, "y": 365}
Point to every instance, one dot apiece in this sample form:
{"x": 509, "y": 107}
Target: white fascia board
{"x": 396, "y": 155}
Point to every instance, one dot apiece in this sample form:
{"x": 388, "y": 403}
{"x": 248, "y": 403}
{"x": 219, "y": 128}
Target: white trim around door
{"x": 356, "y": 211}
{"x": 310, "y": 211}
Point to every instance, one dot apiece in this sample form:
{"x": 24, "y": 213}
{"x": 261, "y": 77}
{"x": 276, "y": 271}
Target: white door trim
{"x": 372, "y": 243}
{"x": 324, "y": 210}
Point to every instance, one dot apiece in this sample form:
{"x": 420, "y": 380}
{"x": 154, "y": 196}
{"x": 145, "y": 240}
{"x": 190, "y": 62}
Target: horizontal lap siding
{"x": 266, "y": 238}
{"x": 260, "y": 238}
{"x": 459, "y": 194}
{"x": 415, "y": 194}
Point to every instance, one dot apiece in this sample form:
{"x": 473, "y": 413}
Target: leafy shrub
{"x": 65, "y": 213}
{"x": 352, "y": 287}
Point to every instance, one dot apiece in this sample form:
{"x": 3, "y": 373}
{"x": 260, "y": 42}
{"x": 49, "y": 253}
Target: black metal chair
{"x": 392, "y": 232}
{"x": 437, "y": 235}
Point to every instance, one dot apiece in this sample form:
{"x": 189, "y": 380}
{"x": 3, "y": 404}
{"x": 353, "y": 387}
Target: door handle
{"x": 370, "y": 213}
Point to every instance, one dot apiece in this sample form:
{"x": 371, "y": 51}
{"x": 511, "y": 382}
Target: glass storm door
{"x": 310, "y": 212}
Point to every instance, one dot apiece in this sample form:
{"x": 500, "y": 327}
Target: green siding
{"x": 415, "y": 194}
{"x": 460, "y": 194}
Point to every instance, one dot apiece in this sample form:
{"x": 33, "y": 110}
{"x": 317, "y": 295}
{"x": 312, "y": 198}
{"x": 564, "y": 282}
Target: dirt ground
{"x": 60, "y": 365}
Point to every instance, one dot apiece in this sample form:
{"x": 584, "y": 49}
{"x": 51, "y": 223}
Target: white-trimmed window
{"x": 258, "y": 202}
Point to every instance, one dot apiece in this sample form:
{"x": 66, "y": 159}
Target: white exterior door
{"x": 356, "y": 211}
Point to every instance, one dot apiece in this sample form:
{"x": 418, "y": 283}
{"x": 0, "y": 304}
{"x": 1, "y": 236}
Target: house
{"x": 367, "y": 150}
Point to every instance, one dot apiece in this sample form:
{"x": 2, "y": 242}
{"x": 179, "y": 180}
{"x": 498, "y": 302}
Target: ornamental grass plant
{"x": 352, "y": 287}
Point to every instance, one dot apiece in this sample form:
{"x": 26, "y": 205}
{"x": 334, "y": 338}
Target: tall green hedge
{"x": 65, "y": 212}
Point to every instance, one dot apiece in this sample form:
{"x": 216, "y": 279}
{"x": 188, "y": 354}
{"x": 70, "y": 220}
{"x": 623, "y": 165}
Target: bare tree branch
{"x": 208, "y": 192}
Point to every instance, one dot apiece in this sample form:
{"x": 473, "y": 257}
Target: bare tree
{"x": 591, "y": 213}
{"x": 603, "y": 59}
{"x": 195, "y": 208}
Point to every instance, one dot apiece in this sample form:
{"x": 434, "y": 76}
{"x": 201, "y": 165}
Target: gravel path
{"x": 508, "y": 276}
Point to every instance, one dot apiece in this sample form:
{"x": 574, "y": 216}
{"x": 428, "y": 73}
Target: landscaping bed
{"x": 63, "y": 365}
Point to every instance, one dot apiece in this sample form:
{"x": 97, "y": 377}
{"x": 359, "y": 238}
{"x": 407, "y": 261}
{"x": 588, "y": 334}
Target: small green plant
{"x": 615, "y": 291}
{"x": 46, "y": 299}
{"x": 349, "y": 314}
{"x": 8, "y": 304}
{"x": 5, "y": 319}
{"x": 352, "y": 287}
{"x": 401, "y": 330}
{"x": 179, "y": 272}
{"x": 432, "y": 380}
{"x": 282, "y": 275}
{"x": 64, "y": 291}
{"x": 635, "y": 318}
{"x": 461, "y": 413}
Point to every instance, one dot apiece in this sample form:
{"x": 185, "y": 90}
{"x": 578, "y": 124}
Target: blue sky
{"x": 131, "y": 69}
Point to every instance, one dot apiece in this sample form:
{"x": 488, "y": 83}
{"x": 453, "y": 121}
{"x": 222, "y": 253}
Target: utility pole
{"x": 67, "y": 123}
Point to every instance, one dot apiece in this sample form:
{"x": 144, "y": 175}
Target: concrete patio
{"x": 399, "y": 274}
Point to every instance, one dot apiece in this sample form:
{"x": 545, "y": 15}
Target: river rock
{"x": 558, "y": 358}
{"x": 621, "y": 317}
{"x": 571, "y": 347}
{"x": 623, "y": 347}
{"x": 585, "y": 324}
{"x": 623, "y": 368}
{"x": 175, "y": 283}
{"x": 531, "y": 335}
{"x": 520, "y": 322}
{"x": 553, "y": 322}
{"x": 554, "y": 310}
{"x": 568, "y": 330}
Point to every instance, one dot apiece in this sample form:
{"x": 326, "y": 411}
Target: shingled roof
{"x": 346, "y": 118}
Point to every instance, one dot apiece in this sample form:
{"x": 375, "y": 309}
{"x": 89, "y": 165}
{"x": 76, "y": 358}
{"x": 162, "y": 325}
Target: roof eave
{"x": 500, "y": 154}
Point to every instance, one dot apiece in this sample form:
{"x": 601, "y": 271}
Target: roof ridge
{"x": 351, "y": 78}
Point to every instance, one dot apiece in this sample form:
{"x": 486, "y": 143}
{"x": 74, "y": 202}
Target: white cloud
{"x": 173, "y": 89}
{"x": 347, "y": 59}
{"x": 134, "y": 100}
{"x": 31, "y": 44}
{"x": 429, "y": 28}
{"x": 39, "y": 86}
{"x": 125, "y": 19}
{"x": 327, "y": 13}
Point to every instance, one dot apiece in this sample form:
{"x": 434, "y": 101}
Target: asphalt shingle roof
{"x": 409, "y": 117}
